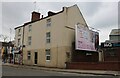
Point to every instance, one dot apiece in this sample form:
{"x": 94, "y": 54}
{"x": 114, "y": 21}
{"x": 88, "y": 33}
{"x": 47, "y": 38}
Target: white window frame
{"x": 48, "y": 22}
{"x": 19, "y": 32}
{"x": 48, "y": 39}
{"x": 19, "y": 42}
{"x": 30, "y": 28}
{"x": 29, "y": 40}
{"x": 48, "y": 54}
{"x": 29, "y": 55}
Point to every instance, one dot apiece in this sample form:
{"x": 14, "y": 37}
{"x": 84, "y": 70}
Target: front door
{"x": 35, "y": 58}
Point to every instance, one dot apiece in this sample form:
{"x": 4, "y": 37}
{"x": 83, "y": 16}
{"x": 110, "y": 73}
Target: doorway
{"x": 36, "y": 57}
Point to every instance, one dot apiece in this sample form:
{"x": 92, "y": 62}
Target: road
{"x": 12, "y": 71}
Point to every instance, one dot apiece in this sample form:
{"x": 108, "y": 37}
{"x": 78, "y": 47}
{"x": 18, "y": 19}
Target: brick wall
{"x": 115, "y": 66}
{"x": 80, "y": 56}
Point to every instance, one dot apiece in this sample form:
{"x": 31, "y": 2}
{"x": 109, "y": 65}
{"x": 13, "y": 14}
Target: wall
{"x": 0, "y": 45}
{"x": 81, "y": 56}
{"x": 115, "y": 37}
{"x": 57, "y": 57}
{"x": 61, "y": 38}
{"x": 72, "y": 16}
{"x": 111, "y": 54}
{"x": 17, "y": 36}
{"x": 115, "y": 66}
{"x": 84, "y": 56}
{"x": 39, "y": 44}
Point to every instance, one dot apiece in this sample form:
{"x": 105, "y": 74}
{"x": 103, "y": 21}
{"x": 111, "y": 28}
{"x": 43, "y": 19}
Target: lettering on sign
{"x": 107, "y": 44}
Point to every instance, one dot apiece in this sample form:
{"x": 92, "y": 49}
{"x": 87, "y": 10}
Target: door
{"x": 35, "y": 58}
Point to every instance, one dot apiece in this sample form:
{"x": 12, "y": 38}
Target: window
{"x": 19, "y": 30}
{"x": 48, "y": 22}
{"x": 30, "y": 28}
{"x": 18, "y": 42}
{"x": 29, "y": 40}
{"x": 48, "y": 37}
{"x": 29, "y": 55}
{"x": 47, "y": 54}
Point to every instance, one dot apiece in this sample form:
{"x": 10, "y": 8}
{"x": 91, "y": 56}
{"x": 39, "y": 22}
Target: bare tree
{"x": 4, "y": 37}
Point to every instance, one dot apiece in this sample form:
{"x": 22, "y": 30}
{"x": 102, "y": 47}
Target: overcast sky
{"x": 100, "y": 15}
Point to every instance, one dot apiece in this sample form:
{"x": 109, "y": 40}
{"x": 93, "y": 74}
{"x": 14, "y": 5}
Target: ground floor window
{"x": 48, "y": 57}
{"x": 29, "y": 55}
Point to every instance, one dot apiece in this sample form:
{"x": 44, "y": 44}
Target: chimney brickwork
{"x": 35, "y": 16}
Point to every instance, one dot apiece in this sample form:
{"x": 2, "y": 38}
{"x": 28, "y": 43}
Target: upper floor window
{"x": 48, "y": 37}
{"x": 19, "y": 32}
{"x": 29, "y": 40}
{"x": 30, "y": 28}
{"x": 48, "y": 22}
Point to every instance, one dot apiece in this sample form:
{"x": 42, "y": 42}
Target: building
{"x": 111, "y": 48}
{"x": 115, "y": 35}
{"x": 109, "y": 58}
{"x": 0, "y": 46}
{"x": 6, "y": 51}
{"x": 49, "y": 41}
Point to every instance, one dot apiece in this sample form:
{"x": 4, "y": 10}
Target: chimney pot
{"x": 42, "y": 16}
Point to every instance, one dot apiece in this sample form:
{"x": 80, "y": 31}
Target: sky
{"x": 102, "y": 16}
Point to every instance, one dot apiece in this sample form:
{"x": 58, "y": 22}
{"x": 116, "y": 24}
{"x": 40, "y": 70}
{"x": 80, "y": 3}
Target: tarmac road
{"x": 8, "y": 72}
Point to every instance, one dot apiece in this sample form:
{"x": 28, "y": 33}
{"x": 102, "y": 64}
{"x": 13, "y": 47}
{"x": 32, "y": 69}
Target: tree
{"x": 4, "y": 37}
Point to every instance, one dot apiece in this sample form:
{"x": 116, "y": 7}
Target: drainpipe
{"x": 57, "y": 57}
{"x": 22, "y": 43}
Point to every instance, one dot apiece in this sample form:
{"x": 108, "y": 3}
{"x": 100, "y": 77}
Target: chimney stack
{"x": 35, "y": 16}
{"x": 50, "y": 13}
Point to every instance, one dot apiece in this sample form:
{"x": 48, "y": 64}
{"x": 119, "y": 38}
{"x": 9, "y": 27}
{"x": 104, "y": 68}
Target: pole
{"x": 34, "y": 5}
{"x": 13, "y": 55}
{"x": 10, "y": 34}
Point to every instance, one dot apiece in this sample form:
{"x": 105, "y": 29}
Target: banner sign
{"x": 109, "y": 45}
{"x": 94, "y": 36}
{"x": 84, "y": 39}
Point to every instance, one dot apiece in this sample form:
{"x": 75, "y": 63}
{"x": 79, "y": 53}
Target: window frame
{"x": 30, "y": 28}
{"x": 48, "y": 54}
{"x": 28, "y": 55}
{"x": 19, "y": 42}
{"x": 48, "y": 37}
{"x": 19, "y": 32}
{"x": 48, "y": 21}
{"x": 29, "y": 40}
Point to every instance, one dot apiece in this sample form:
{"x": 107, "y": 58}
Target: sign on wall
{"x": 109, "y": 44}
{"x": 94, "y": 39}
{"x": 83, "y": 39}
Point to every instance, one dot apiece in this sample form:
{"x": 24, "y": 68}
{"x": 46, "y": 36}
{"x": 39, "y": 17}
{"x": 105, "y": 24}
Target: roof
{"x": 115, "y": 32}
{"x": 39, "y": 19}
{"x": 50, "y": 16}
{"x": 111, "y": 41}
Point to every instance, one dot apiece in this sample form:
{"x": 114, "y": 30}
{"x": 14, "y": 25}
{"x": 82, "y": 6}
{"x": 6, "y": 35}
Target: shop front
{"x": 111, "y": 51}
{"x": 17, "y": 55}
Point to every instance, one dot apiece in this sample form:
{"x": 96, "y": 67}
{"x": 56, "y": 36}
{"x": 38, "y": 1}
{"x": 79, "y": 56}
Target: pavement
{"x": 94, "y": 72}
